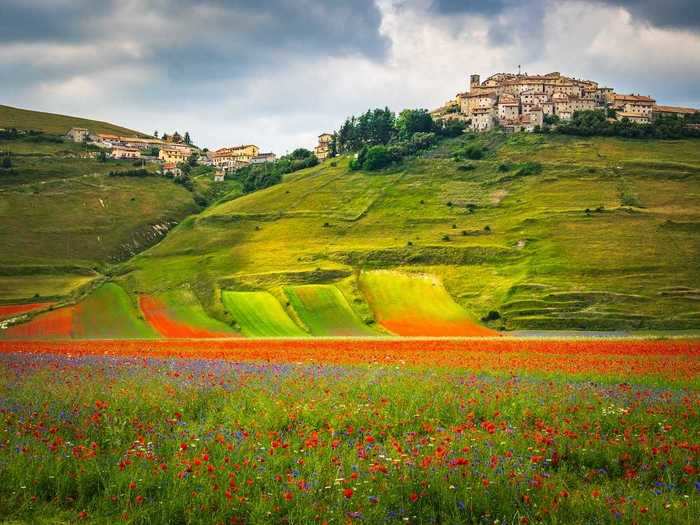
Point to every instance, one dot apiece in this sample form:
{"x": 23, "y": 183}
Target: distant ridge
{"x": 56, "y": 124}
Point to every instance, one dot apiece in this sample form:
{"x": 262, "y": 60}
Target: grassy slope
{"x": 542, "y": 264}
{"x": 259, "y": 314}
{"x": 56, "y": 124}
{"x": 325, "y": 312}
{"x": 61, "y": 215}
{"x": 416, "y": 305}
{"x": 178, "y": 313}
{"x": 106, "y": 313}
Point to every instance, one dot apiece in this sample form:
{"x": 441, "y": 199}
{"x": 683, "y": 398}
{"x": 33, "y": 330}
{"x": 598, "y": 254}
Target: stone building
{"x": 78, "y": 134}
{"x": 323, "y": 150}
{"x": 236, "y": 157}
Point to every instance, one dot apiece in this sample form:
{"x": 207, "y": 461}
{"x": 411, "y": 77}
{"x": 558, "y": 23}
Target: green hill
{"x": 549, "y": 231}
{"x": 54, "y": 124}
{"x": 64, "y": 220}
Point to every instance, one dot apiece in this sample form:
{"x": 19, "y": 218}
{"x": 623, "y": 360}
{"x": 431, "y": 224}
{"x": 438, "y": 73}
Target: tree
{"x": 412, "y": 121}
{"x": 377, "y": 157}
{"x": 7, "y": 162}
{"x": 155, "y": 133}
{"x": 165, "y": 137}
{"x": 177, "y": 138}
{"x": 188, "y": 140}
{"x": 192, "y": 160}
{"x": 102, "y": 157}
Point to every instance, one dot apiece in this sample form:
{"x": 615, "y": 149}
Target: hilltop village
{"x": 171, "y": 151}
{"x": 522, "y": 102}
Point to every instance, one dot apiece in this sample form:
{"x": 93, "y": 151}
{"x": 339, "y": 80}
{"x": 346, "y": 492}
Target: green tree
{"x": 155, "y": 133}
{"x": 412, "y": 121}
{"x": 7, "y": 162}
{"x": 188, "y": 140}
{"x": 377, "y": 157}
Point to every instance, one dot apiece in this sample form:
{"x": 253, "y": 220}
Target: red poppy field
{"x": 350, "y": 431}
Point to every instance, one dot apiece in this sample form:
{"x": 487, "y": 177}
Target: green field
{"x": 62, "y": 217}
{"x": 259, "y": 314}
{"x": 178, "y": 313}
{"x": 415, "y": 304}
{"x": 605, "y": 236}
{"x": 109, "y": 313}
{"x": 56, "y": 124}
{"x": 325, "y": 312}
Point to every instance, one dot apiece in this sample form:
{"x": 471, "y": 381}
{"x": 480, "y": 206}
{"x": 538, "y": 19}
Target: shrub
{"x": 6, "y": 162}
{"x": 493, "y": 315}
{"x": 377, "y": 157}
{"x": 474, "y": 152}
{"x": 446, "y": 238}
{"x": 504, "y": 166}
{"x": 466, "y": 167}
{"x": 529, "y": 168}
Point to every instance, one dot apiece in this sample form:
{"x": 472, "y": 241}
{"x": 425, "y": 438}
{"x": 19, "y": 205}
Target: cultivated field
{"x": 350, "y": 431}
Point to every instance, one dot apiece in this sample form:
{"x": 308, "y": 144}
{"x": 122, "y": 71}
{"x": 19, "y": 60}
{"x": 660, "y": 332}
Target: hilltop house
{"x": 78, "y": 134}
{"x": 323, "y": 150}
{"x": 171, "y": 168}
{"x": 262, "y": 158}
{"x": 235, "y": 157}
{"x": 174, "y": 154}
{"x": 125, "y": 152}
{"x": 668, "y": 111}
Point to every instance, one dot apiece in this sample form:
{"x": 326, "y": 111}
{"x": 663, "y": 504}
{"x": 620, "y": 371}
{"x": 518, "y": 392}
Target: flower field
{"x": 350, "y": 431}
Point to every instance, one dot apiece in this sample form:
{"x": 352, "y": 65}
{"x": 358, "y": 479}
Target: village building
{"x": 236, "y": 157}
{"x": 219, "y": 176}
{"x": 323, "y": 150}
{"x": 174, "y": 154}
{"x": 672, "y": 111}
{"x": 262, "y": 158}
{"x": 172, "y": 169}
{"x": 125, "y": 152}
{"x": 78, "y": 134}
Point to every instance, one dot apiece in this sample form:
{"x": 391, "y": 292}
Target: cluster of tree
{"x": 380, "y": 138}
{"x": 259, "y": 176}
{"x": 596, "y": 123}
{"x": 175, "y": 137}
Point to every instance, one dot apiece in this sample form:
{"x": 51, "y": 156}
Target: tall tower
{"x": 474, "y": 81}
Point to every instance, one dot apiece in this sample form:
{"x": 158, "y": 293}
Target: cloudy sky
{"x": 279, "y": 72}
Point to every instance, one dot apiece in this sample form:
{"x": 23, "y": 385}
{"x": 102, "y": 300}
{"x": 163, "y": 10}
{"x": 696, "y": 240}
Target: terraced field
{"x": 325, "y": 312}
{"x": 259, "y": 314}
{"x": 107, "y": 313}
{"x": 178, "y": 314}
{"x": 416, "y": 305}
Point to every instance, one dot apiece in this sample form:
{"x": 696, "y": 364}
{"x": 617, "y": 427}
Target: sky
{"x": 280, "y": 72}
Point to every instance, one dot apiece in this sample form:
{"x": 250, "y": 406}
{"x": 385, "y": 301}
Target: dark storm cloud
{"x": 676, "y": 14}
{"x": 179, "y": 34}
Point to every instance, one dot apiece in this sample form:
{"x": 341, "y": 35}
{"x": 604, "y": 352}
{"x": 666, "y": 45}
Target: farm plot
{"x": 412, "y": 304}
{"x": 325, "y": 311}
{"x": 259, "y": 314}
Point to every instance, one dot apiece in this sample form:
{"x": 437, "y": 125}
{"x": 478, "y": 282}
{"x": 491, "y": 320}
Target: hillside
{"x": 545, "y": 232}
{"x": 604, "y": 236}
{"x": 64, "y": 220}
{"x": 56, "y": 124}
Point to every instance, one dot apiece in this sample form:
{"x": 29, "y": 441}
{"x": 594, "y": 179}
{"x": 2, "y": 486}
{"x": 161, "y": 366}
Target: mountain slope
{"x": 549, "y": 231}
{"x": 55, "y": 124}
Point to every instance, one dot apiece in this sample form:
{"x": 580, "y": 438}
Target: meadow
{"x": 349, "y": 431}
